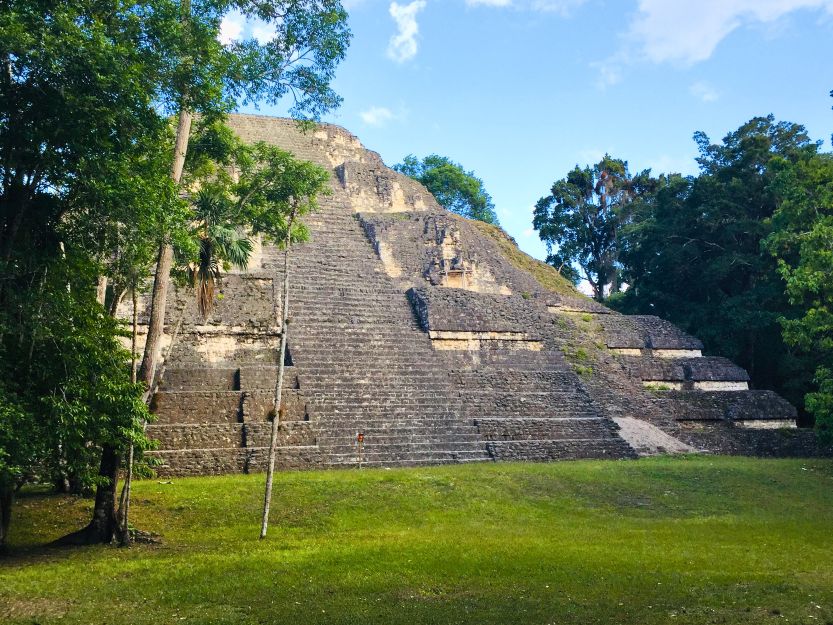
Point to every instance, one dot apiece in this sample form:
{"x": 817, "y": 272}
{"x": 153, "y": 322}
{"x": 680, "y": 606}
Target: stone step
{"x": 187, "y": 462}
{"x": 432, "y": 456}
{"x": 181, "y": 407}
{"x": 570, "y": 449}
{"x": 404, "y": 447}
{"x": 544, "y": 429}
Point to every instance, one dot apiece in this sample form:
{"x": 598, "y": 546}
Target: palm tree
{"x": 221, "y": 244}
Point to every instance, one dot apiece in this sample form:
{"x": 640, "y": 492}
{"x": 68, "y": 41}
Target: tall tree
{"x": 78, "y": 88}
{"x": 580, "y": 220}
{"x": 693, "y": 252}
{"x": 276, "y": 191}
{"x": 310, "y": 39}
{"x": 802, "y": 242}
{"x": 456, "y": 189}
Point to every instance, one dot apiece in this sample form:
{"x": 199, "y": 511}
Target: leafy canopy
{"x": 581, "y": 218}
{"x": 693, "y": 253}
{"x": 456, "y": 189}
{"x": 802, "y": 243}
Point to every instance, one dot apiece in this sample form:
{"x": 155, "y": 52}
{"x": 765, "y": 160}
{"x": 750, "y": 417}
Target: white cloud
{"x": 263, "y": 32}
{"x": 529, "y": 232}
{"x": 564, "y": 7}
{"x": 689, "y": 31}
{"x": 403, "y": 45}
{"x": 231, "y": 27}
{"x": 667, "y": 164}
{"x": 704, "y": 91}
{"x": 377, "y": 116}
{"x": 686, "y": 32}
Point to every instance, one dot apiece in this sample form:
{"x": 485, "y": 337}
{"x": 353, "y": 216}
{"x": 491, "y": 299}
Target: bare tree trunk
{"x": 164, "y": 264}
{"x": 101, "y": 290}
{"x": 133, "y": 335}
{"x": 118, "y": 295}
{"x": 104, "y": 525}
{"x": 276, "y": 419}
{"x": 124, "y": 502}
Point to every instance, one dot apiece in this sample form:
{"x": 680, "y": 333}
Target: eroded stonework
{"x": 410, "y": 326}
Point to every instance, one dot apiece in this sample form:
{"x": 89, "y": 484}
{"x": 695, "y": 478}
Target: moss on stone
{"x": 547, "y": 276}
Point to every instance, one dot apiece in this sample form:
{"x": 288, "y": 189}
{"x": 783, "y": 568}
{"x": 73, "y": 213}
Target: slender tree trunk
{"x": 101, "y": 290}
{"x": 133, "y": 336}
{"x": 164, "y": 264}
{"x": 118, "y": 295}
{"x": 276, "y": 419}
{"x": 124, "y": 503}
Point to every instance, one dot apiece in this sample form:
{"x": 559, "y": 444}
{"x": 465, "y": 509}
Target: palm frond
{"x": 205, "y": 277}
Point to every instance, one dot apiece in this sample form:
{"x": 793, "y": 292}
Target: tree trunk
{"x": 104, "y": 525}
{"x": 101, "y": 290}
{"x": 164, "y": 264}
{"x": 6, "y": 501}
{"x": 276, "y": 418}
{"x": 118, "y": 295}
{"x": 124, "y": 503}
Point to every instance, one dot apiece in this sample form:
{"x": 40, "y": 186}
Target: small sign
{"x": 360, "y": 437}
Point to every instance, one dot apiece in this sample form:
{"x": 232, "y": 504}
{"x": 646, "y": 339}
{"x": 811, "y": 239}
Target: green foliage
{"x": 221, "y": 241}
{"x": 85, "y": 88}
{"x": 227, "y": 210}
{"x": 634, "y": 543}
{"x": 693, "y": 252}
{"x": 581, "y": 218}
{"x": 82, "y": 175}
{"x": 67, "y": 389}
{"x": 456, "y": 189}
{"x": 802, "y": 242}
{"x": 584, "y": 371}
{"x": 274, "y": 184}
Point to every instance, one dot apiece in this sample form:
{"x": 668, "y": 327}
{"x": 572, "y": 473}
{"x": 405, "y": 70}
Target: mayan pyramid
{"x": 438, "y": 340}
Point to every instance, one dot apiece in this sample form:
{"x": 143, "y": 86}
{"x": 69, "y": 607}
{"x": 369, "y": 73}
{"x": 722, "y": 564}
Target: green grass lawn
{"x": 666, "y": 540}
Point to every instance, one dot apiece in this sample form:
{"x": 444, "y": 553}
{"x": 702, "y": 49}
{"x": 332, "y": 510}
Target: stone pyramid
{"x": 439, "y": 341}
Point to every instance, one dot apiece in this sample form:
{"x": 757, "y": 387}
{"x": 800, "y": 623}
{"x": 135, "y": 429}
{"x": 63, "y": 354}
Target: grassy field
{"x": 682, "y": 540}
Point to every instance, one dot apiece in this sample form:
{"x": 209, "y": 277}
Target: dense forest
{"x": 740, "y": 255}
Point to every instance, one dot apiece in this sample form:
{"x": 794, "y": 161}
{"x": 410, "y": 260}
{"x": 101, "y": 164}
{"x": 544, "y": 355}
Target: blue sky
{"x": 519, "y": 91}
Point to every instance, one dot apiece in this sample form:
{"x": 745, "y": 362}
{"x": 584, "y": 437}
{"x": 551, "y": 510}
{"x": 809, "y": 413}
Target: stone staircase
{"x": 362, "y": 359}
{"x": 412, "y": 327}
{"x": 531, "y": 406}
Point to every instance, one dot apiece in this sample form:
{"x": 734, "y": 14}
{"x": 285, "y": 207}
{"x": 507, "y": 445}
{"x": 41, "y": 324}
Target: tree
{"x": 67, "y": 394}
{"x": 580, "y": 220}
{"x": 692, "y": 252}
{"x": 78, "y": 87}
{"x": 275, "y": 192}
{"x": 221, "y": 242}
{"x": 456, "y": 189}
{"x": 802, "y": 243}
{"x": 310, "y": 39}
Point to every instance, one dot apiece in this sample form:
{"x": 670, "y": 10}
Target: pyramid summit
{"x": 439, "y": 341}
